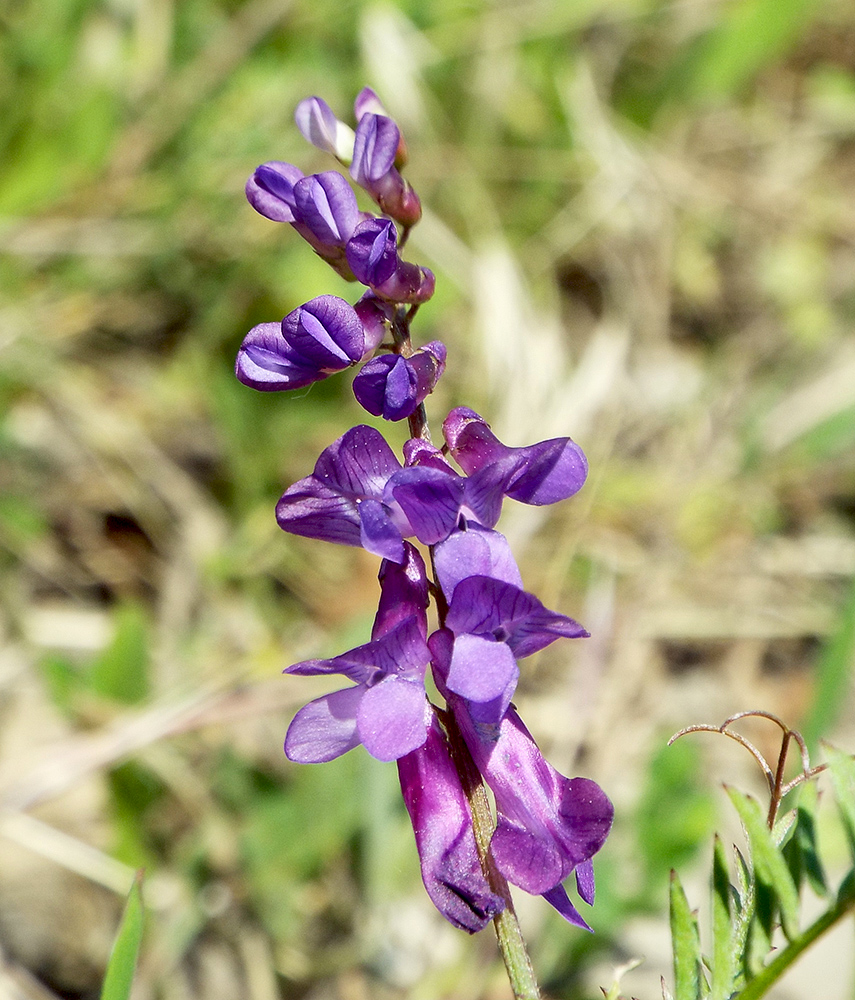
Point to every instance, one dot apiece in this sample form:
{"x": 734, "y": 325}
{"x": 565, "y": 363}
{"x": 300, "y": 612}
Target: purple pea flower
{"x": 358, "y": 494}
{"x": 387, "y": 711}
{"x": 494, "y": 621}
{"x": 442, "y": 824}
{"x": 392, "y": 386}
{"x": 375, "y": 150}
{"x": 548, "y": 826}
{"x": 372, "y": 255}
{"x": 539, "y": 474}
{"x": 323, "y": 336}
{"x": 321, "y": 128}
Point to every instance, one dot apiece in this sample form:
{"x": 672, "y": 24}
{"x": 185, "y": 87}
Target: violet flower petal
{"x": 481, "y": 670}
{"x": 585, "y": 885}
{"x": 558, "y": 898}
{"x": 372, "y": 251}
{"x": 325, "y": 728}
{"x": 393, "y": 718}
{"x": 403, "y": 593}
{"x": 475, "y": 551}
{"x": 378, "y": 534}
{"x": 266, "y": 361}
{"x": 442, "y": 824}
{"x": 429, "y": 498}
{"x": 484, "y": 606}
{"x": 320, "y": 127}
{"x": 569, "y": 817}
{"x": 374, "y": 149}
{"x": 327, "y": 332}
{"x": 327, "y": 205}
{"x": 270, "y": 190}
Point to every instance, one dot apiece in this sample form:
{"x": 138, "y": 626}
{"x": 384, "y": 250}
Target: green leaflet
{"x": 687, "y": 944}
{"x": 123, "y": 958}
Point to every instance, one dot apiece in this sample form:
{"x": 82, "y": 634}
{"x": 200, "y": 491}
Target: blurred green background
{"x": 642, "y": 223}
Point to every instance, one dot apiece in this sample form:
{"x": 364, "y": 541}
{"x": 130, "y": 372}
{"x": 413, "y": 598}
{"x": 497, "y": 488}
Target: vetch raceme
{"x": 434, "y": 507}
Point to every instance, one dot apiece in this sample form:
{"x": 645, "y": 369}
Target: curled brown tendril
{"x": 775, "y": 778}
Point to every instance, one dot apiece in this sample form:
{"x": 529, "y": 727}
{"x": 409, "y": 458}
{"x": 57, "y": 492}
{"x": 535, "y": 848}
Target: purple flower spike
{"x": 442, "y": 824}
{"x": 538, "y": 474}
{"x": 393, "y": 386}
{"x": 375, "y": 150}
{"x": 547, "y": 824}
{"x": 321, "y": 128}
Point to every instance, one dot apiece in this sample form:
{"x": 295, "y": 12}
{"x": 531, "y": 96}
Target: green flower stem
{"x": 508, "y": 933}
{"x": 776, "y": 968}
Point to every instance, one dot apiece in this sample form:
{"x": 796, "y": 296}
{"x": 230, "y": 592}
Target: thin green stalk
{"x": 508, "y": 932}
{"x": 761, "y": 983}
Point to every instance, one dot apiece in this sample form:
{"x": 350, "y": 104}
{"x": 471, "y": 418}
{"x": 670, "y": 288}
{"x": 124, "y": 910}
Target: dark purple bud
{"x": 372, "y": 251}
{"x": 392, "y": 386}
{"x": 442, "y": 824}
{"x": 270, "y": 190}
{"x": 327, "y": 332}
{"x": 375, "y": 150}
{"x": 367, "y": 102}
{"x": 321, "y": 128}
{"x": 327, "y": 205}
{"x": 266, "y": 361}
{"x": 403, "y": 593}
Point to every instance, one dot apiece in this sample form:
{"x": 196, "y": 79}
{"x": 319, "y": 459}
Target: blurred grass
{"x": 641, "y": 221}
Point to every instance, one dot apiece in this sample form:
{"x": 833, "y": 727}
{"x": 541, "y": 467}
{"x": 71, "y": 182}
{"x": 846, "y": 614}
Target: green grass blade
{"x": 842, "y": 768}
{"x": 123, "y": 958}
{"x": 769, "y": 864}
{"x": 686, "y": 944}
{"x": 835, "y": 667}
{"x": 724, "y": 957}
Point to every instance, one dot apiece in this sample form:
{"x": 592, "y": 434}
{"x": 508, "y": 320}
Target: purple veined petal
{"x": 558, "y": 898}
{"x": 430, "y": 499}
{"x": 442, "y": 824}
{"x": 321, "y": 128}
{"x": 327, "y": 205}
{"x": 372, "y": 251}
{"x": 265, "y": 361}
{"x": 481, "y": 605}
{"x": 325, "y": 728}
{"x": 481, "y": 670}
{"x": 378, "y": 533}
{"x": 585, "y": 885}
{"x": 393, "y": 718}
{"x": 358, "y": 464}
{"x": 571, "y": 816}
{"x": 327, "y": 332}
{"x": 270, "y": 190}
{"x": 403, "y": 593}
{"x": 527, "y": 859}
{"x": 374, "y": 149}
{"x": 351, "y": 667}
{"x": 475, "y": 551}
{"x": 471, "y": 441}
{"x": 314, "y": 510}
{"x": 550, "y": 471}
